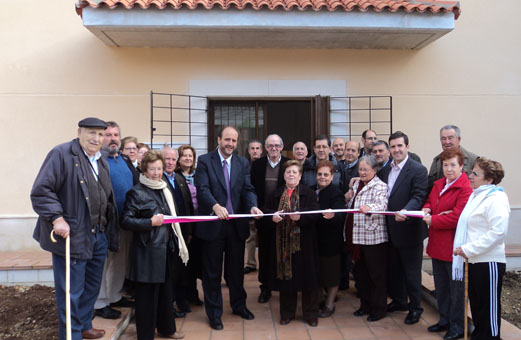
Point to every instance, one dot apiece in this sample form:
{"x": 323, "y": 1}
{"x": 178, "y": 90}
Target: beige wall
{"x": 53, "y": 72}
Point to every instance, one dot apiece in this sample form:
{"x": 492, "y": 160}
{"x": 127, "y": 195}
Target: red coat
{"x": 443, "y": 227}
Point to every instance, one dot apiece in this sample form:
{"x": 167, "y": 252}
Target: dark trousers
{"x": 405, "y": 265}
{"x": 228, "y": 243}
{"x": 345, "y": 268}
{"x": 154, "y": 308}
{"x": 450, "y": 295}
{"x": 85, "y": 285}
{"x": 372, "y": 278}
{"x": 264, "y": 243}
{"x": 485, "y": 284}
{"x": 288, "y": 304}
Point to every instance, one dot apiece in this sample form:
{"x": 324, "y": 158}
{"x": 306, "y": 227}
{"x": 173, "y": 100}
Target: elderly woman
{"x": 129, "y": 148}
{"x": 157, "y": 251}
{"x": 443, "y": 208}
{"x": 329, "y": 232}
{"x": 480, "y": 237}
{"x": 370, "y": 234}
{"x": 294, "y": 256}
{"x": 142, "y": 149}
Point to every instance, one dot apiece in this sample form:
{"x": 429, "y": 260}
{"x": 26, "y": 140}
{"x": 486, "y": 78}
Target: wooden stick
{"x": 68, "y": 286}
{"x": 465, "y": 327}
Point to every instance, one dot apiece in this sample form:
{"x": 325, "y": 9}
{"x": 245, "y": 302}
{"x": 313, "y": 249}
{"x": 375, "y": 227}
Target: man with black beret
{"x": 73, "y": 197}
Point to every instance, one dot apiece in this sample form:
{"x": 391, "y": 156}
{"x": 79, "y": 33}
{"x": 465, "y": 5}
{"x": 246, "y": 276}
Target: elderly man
{"x": 450, "y": 137}
{"x": 255, "y": 152}
{"x": 72, "y": 195}
{"x": 300, "y": 152}
{"x": 223, "y": 188}
{"x": 407, "y": 190}
{"x": 368, "y": 139}
{"x": 339, "y": 145}
{"x": 123, "y": 176}
{"x": 266, "y": 176}
{"x": 322, "y": 149}
{"x": 381, "y": 152}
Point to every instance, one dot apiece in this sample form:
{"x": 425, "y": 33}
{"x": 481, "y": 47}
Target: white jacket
{"x": 487, "y": 228}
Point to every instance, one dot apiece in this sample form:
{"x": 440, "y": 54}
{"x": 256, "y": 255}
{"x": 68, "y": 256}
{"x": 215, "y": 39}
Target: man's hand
{"x": 400, "y": 217}
{"x": 61, "y": 227}
{"x": 276, "y": 217}
{"x": 328, "y": 215}
{"x": 220, "y": 211}
{"x": 256, "y": 211}
{"x": 365, "y": 209}
{"x": 157, "y": 220}
{"x": 459, "y": 252}
{"x": 348, "y": 195}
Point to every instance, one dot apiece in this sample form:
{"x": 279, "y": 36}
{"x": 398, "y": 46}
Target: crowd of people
{"x": 110, "y": 195}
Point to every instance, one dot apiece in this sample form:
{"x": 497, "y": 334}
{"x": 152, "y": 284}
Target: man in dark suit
{"x": 223, "y": 187}
{"x": 266, "y": 176}
{"x": 407, "y": 180}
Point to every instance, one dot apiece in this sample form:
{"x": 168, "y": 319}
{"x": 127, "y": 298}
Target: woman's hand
{"x": 348, "y": 195}
{"x": 426, "y": 210}
{"x": 365, "y": 209}
{"x": 328, "y": 215}
{"x": 276, "y": 217}
{"x": 459, "y": 252}
{"x": 157, "y": 220}
{"x": 428, "y": 219}
{"x": 295, "y": 217}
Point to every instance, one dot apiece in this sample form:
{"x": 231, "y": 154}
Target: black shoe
{"x": 196, "y": 301}
{"x": 412, "y": 317}
{"x": 123, "y": 302}
{"x": 107, "y": 313}
{"x": 360, "y": 312}
{"x": 438, "y": 328}
{"x": 326, "y": 312}
{"x": 184, "y": 306}
{"x": 285, "y": 321}
{"x": 344, "y": 286}
{"x": 264, "y": 296}
{"x": 312, "y": 322}
{"x": 396, "y": 307}
{"x": 451, "y": 335}
{"x": 216, "y": 324}
{"x": 248, "y": 270}
{"x": 178, "y": 315}
{"x": 245, "y": 314}
{"x": 373, "y": 318}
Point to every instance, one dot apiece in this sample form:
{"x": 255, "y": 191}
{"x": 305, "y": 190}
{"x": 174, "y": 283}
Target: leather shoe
{"x": 93, "y": 333}
{"x": 373, "y": 318}
{"x": 196, "y": 301}
{"x": 264, "y": 296}
{"x": 123, "y": 302}
{"x": 245, "y": 314}
{"x": 285, "y": 321}
{"x": 107, "y": 313}
{"x": 312, "y": 322}
{"x": 216, "y": 324}
{"x": 326, "y": 312}
{"x": 412, "y": 318}
{"x": 248, "y": 270}
{"x": 360, "y": 312}
{"x": 451, "y": 335}
{"x": 178, "y": 314}
{"x": 438, "y": 328}
{"x": 396, "y": 307}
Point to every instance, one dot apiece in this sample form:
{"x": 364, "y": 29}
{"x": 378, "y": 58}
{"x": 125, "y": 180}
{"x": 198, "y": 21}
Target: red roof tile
{"x": 434, "y": 6}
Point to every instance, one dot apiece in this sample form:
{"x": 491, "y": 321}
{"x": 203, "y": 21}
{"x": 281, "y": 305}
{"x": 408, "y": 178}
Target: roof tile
{"x": 409, "y": 6}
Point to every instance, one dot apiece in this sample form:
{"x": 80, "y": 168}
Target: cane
{"x": 465, "y": 327}
{"x": 67, "y": 284}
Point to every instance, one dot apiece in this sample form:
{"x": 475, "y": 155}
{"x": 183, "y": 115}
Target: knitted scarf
{"x": 161, "y": 185}
{"x": 287, "y": 234}
{"x": 460, "y": 238}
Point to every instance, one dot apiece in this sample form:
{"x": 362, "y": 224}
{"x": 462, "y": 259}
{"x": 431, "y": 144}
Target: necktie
{"x": 229, "y": 206}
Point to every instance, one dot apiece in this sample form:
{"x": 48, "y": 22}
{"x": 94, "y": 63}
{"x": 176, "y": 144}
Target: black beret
{"x": 92, "y": 122}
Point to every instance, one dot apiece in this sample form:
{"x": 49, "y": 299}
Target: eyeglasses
{"x": 321, "y": 147}
{"x": 130, "y": 149}
{"x": 273, "y": 146}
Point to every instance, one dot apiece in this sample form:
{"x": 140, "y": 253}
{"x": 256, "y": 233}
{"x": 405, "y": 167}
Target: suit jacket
{"x": 180, "y": 182}
{"x": 258, "y": 176}
{"x": 409, "y": 192}
{"x": 211, "y": 189}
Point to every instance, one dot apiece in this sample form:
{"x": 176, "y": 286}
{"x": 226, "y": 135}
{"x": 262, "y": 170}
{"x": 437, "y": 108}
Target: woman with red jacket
{"x": 443, "y": 208}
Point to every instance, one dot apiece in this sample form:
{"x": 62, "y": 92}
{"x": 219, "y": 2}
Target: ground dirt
{"x": 29, "y": 313}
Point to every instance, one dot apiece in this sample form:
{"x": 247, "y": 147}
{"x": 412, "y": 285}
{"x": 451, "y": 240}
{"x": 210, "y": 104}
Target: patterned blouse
{"x": 370, "y": 229}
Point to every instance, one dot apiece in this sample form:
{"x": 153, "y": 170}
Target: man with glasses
{"x": 266, "y": 176}
{"x": 450, "y": 137}
{"x": 368, "y": 139}
{"x": 322, "y": 149}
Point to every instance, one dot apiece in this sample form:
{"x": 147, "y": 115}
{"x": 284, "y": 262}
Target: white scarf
{"x": 460, "y": 238}
{"x": 156, "y": 185}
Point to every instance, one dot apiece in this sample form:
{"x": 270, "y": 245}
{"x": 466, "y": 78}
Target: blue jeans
{"x": 85, "y": 285}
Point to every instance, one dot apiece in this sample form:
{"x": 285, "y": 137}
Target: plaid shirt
{"x": 370, "y": 230}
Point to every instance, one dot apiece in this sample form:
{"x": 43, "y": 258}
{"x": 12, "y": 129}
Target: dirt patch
{"x": 29, "y": 313}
